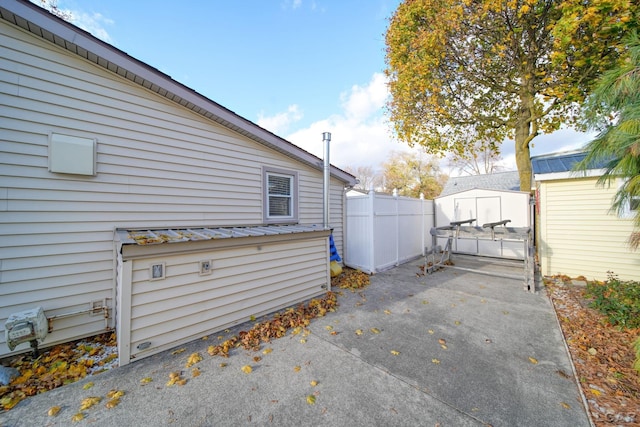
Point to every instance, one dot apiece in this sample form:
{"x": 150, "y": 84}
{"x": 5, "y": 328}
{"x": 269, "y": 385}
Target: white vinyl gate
{"x": 384, "y": 231}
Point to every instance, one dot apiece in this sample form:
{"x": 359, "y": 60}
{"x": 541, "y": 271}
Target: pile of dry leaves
{"x": 603, "y": 355}
{"x": 57, "y": 366}
{"x": 70, "y": 362}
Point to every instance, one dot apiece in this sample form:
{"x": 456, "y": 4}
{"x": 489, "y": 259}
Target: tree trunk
{"x": 523, "y": 137}
{"x": 523, "y": 160}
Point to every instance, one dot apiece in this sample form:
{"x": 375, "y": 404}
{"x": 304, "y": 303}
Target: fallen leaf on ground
{"x": 313, "y": 383}
{"x": 195, "y": 372}
{"x": 77, "y": 417}
{"x": 193, "y": 359}
{"x": 533, "y": 360}
{"x": 175, "y": 378}
{"x": 115, "y": 394}
{"x": 387, "y": 312}
{"x": 87, "y": 386}
{"x": 296, "y": 368}
{"x": 112, "y": 403}
{"x": 359, "y": 332}
{"x": 89, "y": 402}
{"x": 247, "y": 369}
{"x": 375, "y": 330}
{"x": 395, "y": 352}
{"x": 53, "y": 411}
{"x": 436, "y": 361}
{"x": 146, "y": 380}
{"x": 267, "y": 351}
{"x": 178, "y": 351}
{"x": 311, "y": 399}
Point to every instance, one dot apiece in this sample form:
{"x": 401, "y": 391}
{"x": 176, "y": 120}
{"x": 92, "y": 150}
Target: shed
{"x": 578, "y": 234}
{"x": 484, "y": 199}
{"x": 100, "y": 150}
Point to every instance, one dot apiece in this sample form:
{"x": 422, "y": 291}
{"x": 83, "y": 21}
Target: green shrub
{"x": 618, "y": 300}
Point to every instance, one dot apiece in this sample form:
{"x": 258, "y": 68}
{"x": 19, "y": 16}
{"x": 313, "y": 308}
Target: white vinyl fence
{"x": 384, "y": 231}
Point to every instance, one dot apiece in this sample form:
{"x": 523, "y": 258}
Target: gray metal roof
{"x": 561, "y": 162}
{"x": 176, "y": 235}
{"x": 496, "y": 181}
{"x": 47, "y": 26}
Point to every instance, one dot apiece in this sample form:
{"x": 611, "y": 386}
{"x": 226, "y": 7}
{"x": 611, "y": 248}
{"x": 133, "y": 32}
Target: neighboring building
{"x": 578, "y": 234}
{"x": 128, "y": 199}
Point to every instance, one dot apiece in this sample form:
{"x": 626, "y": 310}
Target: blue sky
{"x": 295, "y": 67}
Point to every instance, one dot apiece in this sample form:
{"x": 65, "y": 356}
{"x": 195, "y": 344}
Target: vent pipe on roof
{"x": 326, "y": 138}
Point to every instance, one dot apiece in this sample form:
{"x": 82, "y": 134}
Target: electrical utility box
{"x": 26, "y": 326}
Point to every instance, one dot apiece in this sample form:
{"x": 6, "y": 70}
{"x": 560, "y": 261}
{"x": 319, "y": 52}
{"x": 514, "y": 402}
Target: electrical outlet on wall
{"x": 205, "y": 267}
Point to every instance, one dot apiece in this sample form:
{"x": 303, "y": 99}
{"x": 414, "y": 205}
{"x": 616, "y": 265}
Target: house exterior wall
{"x": 579, "y": 235}
{"x": 158, "y": 165}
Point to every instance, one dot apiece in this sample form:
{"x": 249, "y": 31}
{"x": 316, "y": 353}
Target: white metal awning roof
{"x": 174, "y": 235}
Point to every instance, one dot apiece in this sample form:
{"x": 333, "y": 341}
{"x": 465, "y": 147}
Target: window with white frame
{"x": 632, "y": 206}
{"x": 280, "y": 202}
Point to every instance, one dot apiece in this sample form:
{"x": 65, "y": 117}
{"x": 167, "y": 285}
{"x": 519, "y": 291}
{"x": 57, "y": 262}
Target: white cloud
{"x": 360, "y": 134}
{"x": 363, "y": 102}
{"x": 291, "y": 4}
{"x": 94, "y": 23}
{"x": 280, "y": 123}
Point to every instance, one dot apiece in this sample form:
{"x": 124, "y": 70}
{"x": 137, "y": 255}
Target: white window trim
{"x": 293, "y": 218}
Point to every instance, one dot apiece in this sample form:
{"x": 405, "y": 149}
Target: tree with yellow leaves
{"x": 465, "y": 69}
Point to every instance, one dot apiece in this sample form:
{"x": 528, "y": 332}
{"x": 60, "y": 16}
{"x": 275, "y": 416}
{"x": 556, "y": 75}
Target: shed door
{"x": 484, "y": 210}
{"x": 489, "y": 210}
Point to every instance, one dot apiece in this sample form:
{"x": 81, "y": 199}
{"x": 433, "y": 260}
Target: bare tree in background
{"x": 367, "y": 178}
{"x": 479, "y": 159}
{"x": 52, "y": 6}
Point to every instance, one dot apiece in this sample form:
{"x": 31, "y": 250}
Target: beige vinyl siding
{"x": 158, "y": 165}
{"x": 250, "y": 280}
{"x": 580, "y": 235}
